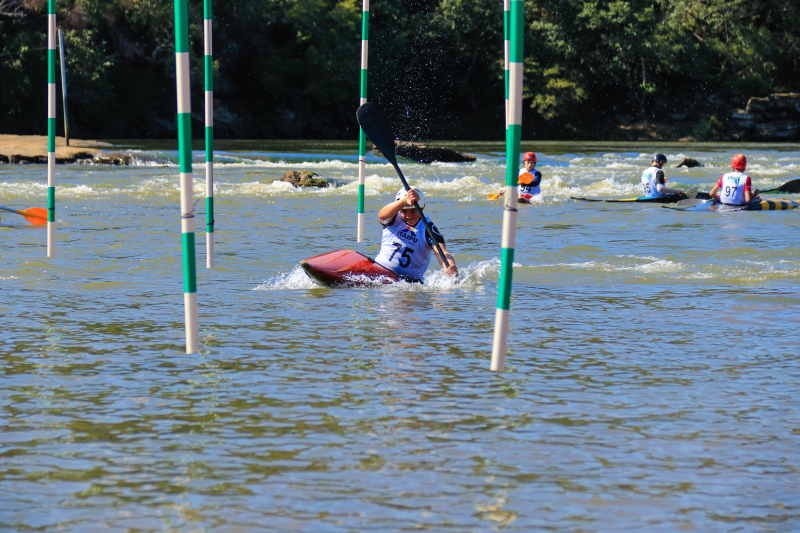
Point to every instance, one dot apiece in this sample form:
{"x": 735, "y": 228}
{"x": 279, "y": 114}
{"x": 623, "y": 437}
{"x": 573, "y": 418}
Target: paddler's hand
{"x": 452, "y": 270}
{"x": 412, "y": 197}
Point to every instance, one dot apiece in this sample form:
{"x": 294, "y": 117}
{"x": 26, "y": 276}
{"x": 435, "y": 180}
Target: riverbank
{"x": 23, "y": 149}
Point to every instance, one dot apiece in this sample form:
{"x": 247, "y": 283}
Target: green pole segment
{"x": 513, "y": 138}
{"x": 186, "y": 179}
{"x": 209, "y": 103}
{"x": 51, "y": 127}
{"x": 506, "y": 16}
{"x": 362, "y": 139}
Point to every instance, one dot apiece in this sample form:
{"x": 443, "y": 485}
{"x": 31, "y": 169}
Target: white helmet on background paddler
{"x": 402, "y": 193}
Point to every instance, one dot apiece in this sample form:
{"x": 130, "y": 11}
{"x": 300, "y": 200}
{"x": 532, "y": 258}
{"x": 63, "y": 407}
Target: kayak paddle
{"x": 34, "y": 215}
{"x": 690, "y": 202}
{"x": 666, "y": 199}
{"x": 790, "y": 187}
{"x": 525, "y": 178}
{"x": 376, "y": 126}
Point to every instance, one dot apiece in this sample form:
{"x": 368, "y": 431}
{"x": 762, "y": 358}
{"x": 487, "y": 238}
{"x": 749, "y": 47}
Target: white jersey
{"x": 732, "y": 186}
{"x": 405, "y": 250}
{"x": 526, "y": 191}
{"x": 650, "y": 180}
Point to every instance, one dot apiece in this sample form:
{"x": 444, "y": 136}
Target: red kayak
{"x": 346, "y": 268}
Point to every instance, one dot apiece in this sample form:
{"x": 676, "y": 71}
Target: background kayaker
{"x": 405, "y": 245}
{"x": 529, "y": 181}
{"x": 654, "y": 182}
{"x": 734, "y": 188}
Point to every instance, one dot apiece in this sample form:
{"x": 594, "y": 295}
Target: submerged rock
{"x": 425, "y": 153}
{"x": 303, "y": 178}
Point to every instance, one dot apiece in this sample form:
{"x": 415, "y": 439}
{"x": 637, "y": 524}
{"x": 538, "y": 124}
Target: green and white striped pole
{"x": 209, "y": 94}
{"x": 51, "y": 127}
{"x": 362, "y": 139}
{"x": 513, "y": 138}
{"x": 187, "y": 196}
{"x": 506, "y": 45}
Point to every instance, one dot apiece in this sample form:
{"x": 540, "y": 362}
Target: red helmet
{"x": 530, "y": 156}
{"x": 739, "y": 162}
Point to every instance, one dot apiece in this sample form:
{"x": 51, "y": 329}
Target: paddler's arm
{"x": 662, "y": 187}
{"x": 664, "y": 190}
{"x": 713, "y": 194}
{"x": 390, "y": 210}
{"x": 751, "y": 196}
{"x": 452, "y": 270}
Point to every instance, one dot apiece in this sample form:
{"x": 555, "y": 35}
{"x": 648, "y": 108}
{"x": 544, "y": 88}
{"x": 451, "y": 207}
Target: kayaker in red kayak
{"x": 734, "y": 188}
{"x": 405, "y": 245}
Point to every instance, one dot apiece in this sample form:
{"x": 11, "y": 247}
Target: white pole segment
{"x": 191, "y": 320}
{"x": 183, "y": 85}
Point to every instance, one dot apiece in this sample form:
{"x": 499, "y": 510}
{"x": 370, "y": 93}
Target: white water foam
{"x": 471, "y": 276}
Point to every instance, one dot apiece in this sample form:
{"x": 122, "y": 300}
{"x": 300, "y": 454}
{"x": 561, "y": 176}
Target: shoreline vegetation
{"x": 717, "y": 70}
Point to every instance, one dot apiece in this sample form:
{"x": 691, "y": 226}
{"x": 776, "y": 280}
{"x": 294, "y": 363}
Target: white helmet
{"x": 402, "y": 194}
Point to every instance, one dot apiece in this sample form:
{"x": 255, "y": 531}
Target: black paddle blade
{"x": 790, "y": 186}
{"x": 375, "y": 124}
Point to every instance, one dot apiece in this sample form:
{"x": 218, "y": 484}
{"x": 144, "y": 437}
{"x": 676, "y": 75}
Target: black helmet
{"x": 660, "y": 158}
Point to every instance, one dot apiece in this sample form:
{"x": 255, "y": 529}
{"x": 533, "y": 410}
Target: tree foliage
{"x": 290, "y": 68}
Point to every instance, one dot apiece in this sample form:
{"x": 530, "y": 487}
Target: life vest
{"x": 406, "y": 251}
{"x": 526, "y": 191}
{"x": 650, "y": 182}
{"x": 732, "y": 186}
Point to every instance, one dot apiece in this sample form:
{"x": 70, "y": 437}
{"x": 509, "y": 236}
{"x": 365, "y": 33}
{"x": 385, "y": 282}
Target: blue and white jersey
{"x": 527, "y": 190}
{"x": 651, "y": 178}
{"x": 406, "y": 251}
{"x": 732, "y": 187}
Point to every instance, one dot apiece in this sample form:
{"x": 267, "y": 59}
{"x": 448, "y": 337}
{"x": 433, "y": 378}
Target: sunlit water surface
{"x": 651, "y": 383}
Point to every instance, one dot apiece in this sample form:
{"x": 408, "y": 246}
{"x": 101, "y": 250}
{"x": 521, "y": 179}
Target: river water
{"x": 652, "y": 372}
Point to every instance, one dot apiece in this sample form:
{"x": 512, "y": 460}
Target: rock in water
{"x": 425, "y": 153}
{"x": 113, "y": 158}
{"x": 303, "y": 178}
{"x": 689, "y": 163}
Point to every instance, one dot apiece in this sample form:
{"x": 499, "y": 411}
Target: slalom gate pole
{"x": 187, "y": 196}
{"x": 64, "y": 86}
{"x": 51, "y": 127}
{"x": 506, "y": 51}
{"x": 513, "y": 138}
{"x": 362, "y": 138}
{"x": 209, "y": 101}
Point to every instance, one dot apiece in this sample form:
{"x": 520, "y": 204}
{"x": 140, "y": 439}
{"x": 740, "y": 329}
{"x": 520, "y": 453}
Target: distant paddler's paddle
{"x": 526, "y": 178}
{"x": 691, "y": 202}
{"x": 34, "y": 215}
{"x": 790, "y": 187}
{"x": 376, "y": 126}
